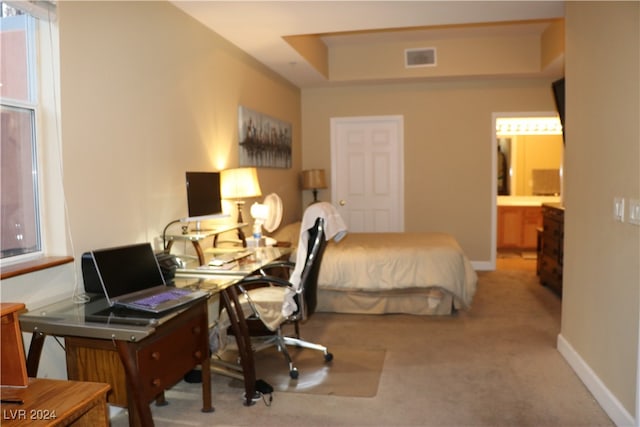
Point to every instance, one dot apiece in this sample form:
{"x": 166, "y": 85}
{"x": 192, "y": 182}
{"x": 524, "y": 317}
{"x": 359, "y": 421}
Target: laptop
{"x": 131, "y": 277}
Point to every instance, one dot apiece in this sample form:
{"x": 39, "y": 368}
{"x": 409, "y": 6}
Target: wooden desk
{"x": 56, "y": 403}
{"x": 139, "y": 362}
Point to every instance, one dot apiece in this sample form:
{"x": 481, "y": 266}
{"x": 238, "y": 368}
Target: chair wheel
{"x": 328, "y": 357}
{"x": 293, "y": 374}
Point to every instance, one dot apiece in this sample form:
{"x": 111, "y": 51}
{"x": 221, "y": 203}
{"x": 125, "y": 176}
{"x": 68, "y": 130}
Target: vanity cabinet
{"x": 518, "y": 227}
{"x": 551, "y": 247}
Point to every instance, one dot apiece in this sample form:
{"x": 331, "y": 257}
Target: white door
{"x": 367, "y": 173}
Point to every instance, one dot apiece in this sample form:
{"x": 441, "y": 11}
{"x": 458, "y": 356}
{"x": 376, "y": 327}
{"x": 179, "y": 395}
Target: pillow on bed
{"x": 288, "y": 234}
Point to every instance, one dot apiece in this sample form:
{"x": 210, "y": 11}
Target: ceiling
{"x": 259, "y": 27}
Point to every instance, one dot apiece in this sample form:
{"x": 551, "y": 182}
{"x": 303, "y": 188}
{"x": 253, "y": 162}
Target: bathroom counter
{"x": 527, "y": 200}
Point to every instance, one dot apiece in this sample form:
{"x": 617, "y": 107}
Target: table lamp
{"x": 239, "y": 183}
{"x": 313, "y": 179}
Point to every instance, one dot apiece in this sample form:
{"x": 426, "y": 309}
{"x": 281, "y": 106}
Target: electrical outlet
{"x": 618, "y": 209}
{"x": 634, "y": 211}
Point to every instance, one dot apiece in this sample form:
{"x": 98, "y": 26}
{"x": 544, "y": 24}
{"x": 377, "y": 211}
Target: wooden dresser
{"x": 42, "y": 401}
{"x": 551, "y": 247}
{"x": 13, "y": 371}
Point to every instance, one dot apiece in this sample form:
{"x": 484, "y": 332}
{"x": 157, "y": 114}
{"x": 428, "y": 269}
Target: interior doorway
{"x": 527, "y": 152}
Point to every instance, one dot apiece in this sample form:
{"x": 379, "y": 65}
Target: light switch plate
{"x": 618, "y": 209}
{"x": 634, "y": 211}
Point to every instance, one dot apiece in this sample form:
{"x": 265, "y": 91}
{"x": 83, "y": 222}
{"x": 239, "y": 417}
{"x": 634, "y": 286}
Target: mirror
{"x": 529, "y": 156}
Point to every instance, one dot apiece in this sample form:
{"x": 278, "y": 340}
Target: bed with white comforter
{"x": 376, "y": 273}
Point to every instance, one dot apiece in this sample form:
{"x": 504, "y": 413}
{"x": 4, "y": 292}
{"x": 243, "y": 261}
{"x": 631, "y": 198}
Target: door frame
{"x": 399, "y": 120}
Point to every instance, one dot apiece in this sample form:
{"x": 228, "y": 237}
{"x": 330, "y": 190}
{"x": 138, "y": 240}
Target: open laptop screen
{"x": 128, "y": 269}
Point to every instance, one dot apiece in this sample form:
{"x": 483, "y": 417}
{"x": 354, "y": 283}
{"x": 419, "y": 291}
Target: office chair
{"x": 265, "y": 294}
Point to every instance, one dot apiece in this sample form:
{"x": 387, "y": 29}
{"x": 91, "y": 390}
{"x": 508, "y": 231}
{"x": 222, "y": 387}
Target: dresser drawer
{"x": 552, "y": 229}
{"x": 552, "y": 213}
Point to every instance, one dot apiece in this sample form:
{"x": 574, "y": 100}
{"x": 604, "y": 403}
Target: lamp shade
{"x": 313, "y": 179}
{"x": 239, "y": 183}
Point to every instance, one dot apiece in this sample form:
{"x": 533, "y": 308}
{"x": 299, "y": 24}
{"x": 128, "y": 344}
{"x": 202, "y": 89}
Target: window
{"x": 20, "y": 217}
{"x": 20, "y": 232}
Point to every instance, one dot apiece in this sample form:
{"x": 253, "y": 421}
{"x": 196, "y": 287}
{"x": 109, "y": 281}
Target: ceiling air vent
{"x": 420, "y": 57}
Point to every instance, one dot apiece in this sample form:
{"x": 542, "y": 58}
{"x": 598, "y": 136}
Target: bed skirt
{"x": 432, "y": 302}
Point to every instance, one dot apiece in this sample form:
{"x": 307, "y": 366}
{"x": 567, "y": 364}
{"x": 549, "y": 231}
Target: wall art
{"x": 264, "y": 141}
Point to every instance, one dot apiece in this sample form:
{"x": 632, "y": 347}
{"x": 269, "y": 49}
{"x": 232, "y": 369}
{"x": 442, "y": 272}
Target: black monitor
{"x": 203, "y": 196}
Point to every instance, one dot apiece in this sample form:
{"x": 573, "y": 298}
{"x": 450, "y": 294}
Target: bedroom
{"x": 113, "y": 110}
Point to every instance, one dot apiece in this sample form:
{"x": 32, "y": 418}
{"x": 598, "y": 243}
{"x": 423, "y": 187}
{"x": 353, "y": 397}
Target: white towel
{"x": 335, "y": 229}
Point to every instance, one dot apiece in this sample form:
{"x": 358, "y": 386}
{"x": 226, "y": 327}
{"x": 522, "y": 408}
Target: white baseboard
{"x": 614, "y": 409}
{"x": 483, "y": 265}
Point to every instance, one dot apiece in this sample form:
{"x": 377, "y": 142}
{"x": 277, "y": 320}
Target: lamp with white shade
{"x": 238, "y": 184}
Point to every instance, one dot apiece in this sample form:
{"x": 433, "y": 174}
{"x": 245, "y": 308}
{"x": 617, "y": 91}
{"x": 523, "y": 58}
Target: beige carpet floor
{"x": 494, "y": 365}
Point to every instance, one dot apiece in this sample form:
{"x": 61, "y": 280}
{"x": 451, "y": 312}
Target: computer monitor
{"x": 203, "y": 197}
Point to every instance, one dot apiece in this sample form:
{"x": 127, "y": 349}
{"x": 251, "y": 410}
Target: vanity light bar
{"x": 528, "y": 126}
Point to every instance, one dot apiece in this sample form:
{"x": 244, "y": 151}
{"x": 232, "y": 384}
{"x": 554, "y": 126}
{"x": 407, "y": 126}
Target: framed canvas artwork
{"x": 264, "y": 141}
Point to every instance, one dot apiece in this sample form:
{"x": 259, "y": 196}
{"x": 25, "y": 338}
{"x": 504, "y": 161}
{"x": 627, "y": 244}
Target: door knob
{"x": 343, "y": 202}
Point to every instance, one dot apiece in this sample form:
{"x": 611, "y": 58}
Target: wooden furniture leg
{"x": 243, "y": 340}
{"x": 206, "y": 385}
{"x": 139, "y": 410}
{"x": 35, "y": 350}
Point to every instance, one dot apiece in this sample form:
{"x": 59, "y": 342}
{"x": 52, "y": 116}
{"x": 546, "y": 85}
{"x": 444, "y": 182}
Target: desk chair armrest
{"x": 267, "y": 279}
{"x": 287, "y": 264}
{"x": 277, "y": 264}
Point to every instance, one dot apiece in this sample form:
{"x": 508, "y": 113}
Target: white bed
{"x": 377, "y": 273}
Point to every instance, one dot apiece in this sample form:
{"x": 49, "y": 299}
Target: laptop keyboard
{"x": 156, "y": 300}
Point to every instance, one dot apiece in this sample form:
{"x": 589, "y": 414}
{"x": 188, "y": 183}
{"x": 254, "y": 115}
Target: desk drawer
{"x": 163, "y": 361}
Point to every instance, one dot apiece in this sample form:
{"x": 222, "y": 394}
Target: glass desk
{"x": 140, "y": 355}
{"x": 260, "y": 257}
{"x": 195, "y": 237}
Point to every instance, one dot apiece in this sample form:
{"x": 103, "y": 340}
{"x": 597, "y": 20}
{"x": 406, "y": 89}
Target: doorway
{"x": 367, "y": 164}
{"x": 527, "y": 157}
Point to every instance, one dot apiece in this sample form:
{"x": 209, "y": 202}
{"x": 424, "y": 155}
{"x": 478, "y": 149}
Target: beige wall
{"x": 461, "y": 56}
{"x": 533, "y": 152}
{"x": 447, "y": 149}
{"x": 602, "y": 161}
{"x": 147, "y": 94}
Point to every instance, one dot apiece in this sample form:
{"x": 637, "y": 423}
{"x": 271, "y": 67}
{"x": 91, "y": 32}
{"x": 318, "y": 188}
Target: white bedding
{"x": 383, "y": 262}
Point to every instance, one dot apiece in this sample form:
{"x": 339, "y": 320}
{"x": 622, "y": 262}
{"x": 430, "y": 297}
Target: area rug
{"x": 353, "y": 372}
